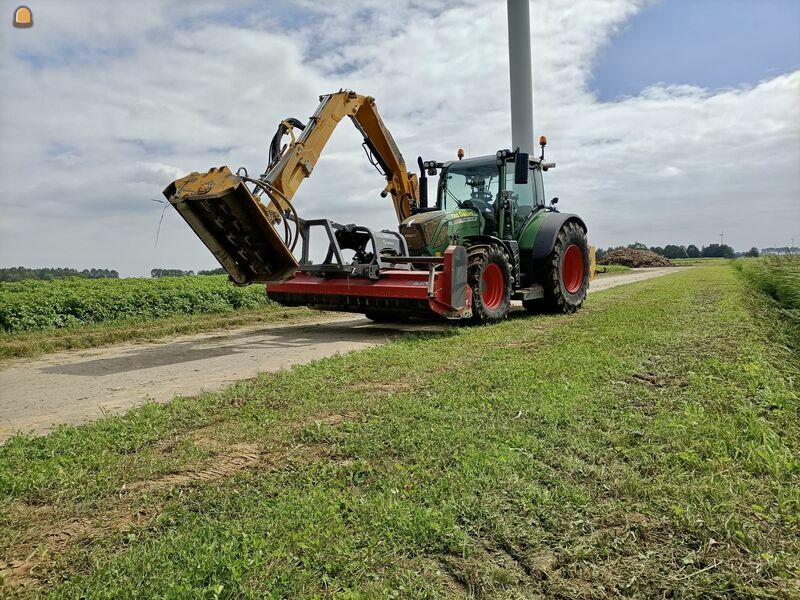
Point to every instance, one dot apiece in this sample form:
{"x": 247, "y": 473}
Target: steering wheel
{"x": 477, "y": 205}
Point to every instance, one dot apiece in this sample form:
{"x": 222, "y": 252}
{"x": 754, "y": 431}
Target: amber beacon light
{"x": 23, "y": 17}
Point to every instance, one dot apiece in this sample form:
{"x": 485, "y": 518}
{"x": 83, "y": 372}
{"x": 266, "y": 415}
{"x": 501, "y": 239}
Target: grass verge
{"x": 776, "y": 276}
{"x": 611, "y": 269}
{"x": 684, "y": 262}
{"x": 34, "y": 343}
{"x": 646, "y": 446}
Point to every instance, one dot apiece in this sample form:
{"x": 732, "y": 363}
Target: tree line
{"x": 21, "y": 273}
{"x": 781, "y": 250}
{"x": 180, "y": 273}
{"x": 690, "y": 251}
{"x": 50, "y": 273}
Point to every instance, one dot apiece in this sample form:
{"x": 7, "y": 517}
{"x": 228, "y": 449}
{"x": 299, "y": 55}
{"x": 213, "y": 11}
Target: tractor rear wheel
{"x": 565, "y": 273}
{"x": 490, "y": 280}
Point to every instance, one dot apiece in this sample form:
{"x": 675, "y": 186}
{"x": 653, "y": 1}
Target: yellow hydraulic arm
{"x": 240, "y": 229}
{"x": 290, "y": 167}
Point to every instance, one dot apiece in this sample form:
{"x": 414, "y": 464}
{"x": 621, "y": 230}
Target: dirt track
{"x": 79, "y": 386}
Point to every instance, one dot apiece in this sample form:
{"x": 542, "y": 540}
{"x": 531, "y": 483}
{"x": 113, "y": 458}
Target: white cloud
{"x": 104, "y": 104}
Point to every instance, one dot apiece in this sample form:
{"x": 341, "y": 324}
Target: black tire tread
{"x": 556, "y": 298}
{"x": 479, "y": 256}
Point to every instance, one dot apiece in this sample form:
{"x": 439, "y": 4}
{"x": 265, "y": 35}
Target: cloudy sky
{"x": 669, "y": 120}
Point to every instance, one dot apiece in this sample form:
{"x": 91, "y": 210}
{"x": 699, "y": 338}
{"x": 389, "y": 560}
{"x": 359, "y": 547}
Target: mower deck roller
{"x": 234, "y": 225}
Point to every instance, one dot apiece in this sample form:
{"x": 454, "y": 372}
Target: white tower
{"x": 519, "y": 62}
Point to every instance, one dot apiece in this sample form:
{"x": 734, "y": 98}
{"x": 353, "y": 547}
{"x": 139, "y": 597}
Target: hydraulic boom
{"x": 291, "y": 165}
{"x": 240, "y": 229}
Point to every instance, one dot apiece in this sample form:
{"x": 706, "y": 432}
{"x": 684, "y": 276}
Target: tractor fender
{"x": 548, "y": 232}
{"x": 489, "y": 239}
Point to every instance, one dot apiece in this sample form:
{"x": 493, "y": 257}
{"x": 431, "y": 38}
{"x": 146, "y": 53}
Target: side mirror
{"x": 423, "y": 184}
{"x": 554, "y": 201}
{"x": 521, "y": 169}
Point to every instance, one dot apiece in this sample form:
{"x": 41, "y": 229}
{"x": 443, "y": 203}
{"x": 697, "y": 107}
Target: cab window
{"x": 538, "y": 185}
{"x": 522, "y": 195}
{"x": 467, "y": 186}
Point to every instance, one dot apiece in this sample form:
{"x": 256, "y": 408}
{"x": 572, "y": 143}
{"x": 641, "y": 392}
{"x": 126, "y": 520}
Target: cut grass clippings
{"x": 646, "y": 446}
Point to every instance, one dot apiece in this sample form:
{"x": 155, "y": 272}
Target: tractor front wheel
{"x": 565, "y": 273}
{"x": 490, "y": 280}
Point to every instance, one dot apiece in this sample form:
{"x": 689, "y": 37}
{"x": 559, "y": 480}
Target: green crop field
{"x": 43, "y": 316}
{"x": 647, "y": 446}
{"x": 35, "y": 305}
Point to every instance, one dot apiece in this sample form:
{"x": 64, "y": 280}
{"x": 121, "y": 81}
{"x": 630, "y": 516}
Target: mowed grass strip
{"x": 646, "y": 446}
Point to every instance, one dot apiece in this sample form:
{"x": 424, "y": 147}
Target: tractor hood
{"x": 429, "y": 233}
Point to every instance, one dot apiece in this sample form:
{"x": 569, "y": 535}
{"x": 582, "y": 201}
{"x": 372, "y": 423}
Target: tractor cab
{"x": 489, "y": 189}
{"x": 472, "y": 184}
{"x": 476, "y": 196}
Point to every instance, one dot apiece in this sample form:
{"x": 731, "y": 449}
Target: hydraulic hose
{"x": 275, "y": 150}
{"x": 290, "y": 239}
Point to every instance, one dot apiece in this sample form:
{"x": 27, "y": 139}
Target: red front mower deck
{"x": 441, "y": 289}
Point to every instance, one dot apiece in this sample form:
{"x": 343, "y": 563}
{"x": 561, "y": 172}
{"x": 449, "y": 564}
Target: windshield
{"x": 463, "y": 183}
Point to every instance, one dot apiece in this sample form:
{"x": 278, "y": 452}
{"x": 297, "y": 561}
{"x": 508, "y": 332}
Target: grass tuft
{"x": 776, "y": 276}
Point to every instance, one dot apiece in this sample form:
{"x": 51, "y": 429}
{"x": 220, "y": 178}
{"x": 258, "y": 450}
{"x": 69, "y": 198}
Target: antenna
{"x": 158, "y": 231}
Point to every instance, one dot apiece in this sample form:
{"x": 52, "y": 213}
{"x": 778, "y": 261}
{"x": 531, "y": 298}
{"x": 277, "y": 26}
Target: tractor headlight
{"x": 414, "y": 236}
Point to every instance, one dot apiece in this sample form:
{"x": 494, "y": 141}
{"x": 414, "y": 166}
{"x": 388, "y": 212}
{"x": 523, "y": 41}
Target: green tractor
{"x": 489, "y": 238}
{"x": 518, "y": 246}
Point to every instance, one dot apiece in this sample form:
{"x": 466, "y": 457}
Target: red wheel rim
{"x": 492, "y": 286}
{"x": 572, "y": 268}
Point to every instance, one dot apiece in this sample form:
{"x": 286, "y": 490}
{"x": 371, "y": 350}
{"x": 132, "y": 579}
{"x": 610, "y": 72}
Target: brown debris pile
{"x": 630, "y": 257}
